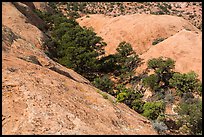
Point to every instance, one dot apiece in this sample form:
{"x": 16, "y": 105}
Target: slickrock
{"x": 40, "y": 96}
{"x": 140, "y": 30}
{"x": 182, "y": 41}
{"x": 184, "y": 47}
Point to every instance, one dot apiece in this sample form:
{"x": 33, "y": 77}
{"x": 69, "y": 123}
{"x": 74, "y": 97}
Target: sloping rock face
{"x": 43, "y": 6}
{"x": 40, "y": 96}
{"x": 184, "y": 47}
{"x": 20, "y": 24}
{"x": 183, "y": 41}
{"x": 140, "y": 30}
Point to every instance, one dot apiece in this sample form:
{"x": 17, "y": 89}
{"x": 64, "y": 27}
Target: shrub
{"x": 108, "y": 64}
{"x": 159, "y": 13}
{"x": 164, "y": 8}
{"x": 73, "y": 15}
{"x": 124, "y": 49}
{"x": 191, "y": 115}
{"x": 169, "y": 98}
{"x": 151, "y": 81}
{"x": 163, "y": 69}
{"x": 53, "y": 5}
{"x": 160, "y": 95}
{"x": 137, "y": 105}
{"x": 169, "y": 7}
{"x": 153, "y": 109}
{"x": 159, "y": 126}
{"x": 127, "y": 95}
{"x": 120, "y": 87}
{"x": 127, "y": 60}
{"x": 122, "y": 96}
{"x": 103, "y": 83}
{"x": 78, "y": 48}
{"x": 186, "y": 82}
{"x": 156, "y": 41}
{"x": 161, "y": 118}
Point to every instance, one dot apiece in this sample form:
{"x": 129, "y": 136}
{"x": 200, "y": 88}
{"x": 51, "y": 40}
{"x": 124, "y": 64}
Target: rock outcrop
{"x": 40, "y": 96}
{"x": 182, "y": 41}
{"x": 20, "y": 24}
{"x": 184, "y": 47}
{"x": 140, "y": 30}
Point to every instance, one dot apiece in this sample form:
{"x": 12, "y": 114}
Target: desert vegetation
{"x": 114, "y": 9}
{"x": 80, "y": 49}
{"x": 156, "y": 41}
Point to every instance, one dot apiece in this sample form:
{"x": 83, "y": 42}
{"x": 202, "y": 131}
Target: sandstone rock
{"x": 139, "y": 30}
{"x": 184, "y": 47}
{"x": 40, "y": 96}
{"x": 19, "y": 23}
{"x": 183, "y": 41}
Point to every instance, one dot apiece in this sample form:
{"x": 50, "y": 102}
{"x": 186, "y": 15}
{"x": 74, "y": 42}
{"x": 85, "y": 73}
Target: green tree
{"x": 104, "y": 83}
{"x": 122, "y": 96}
{"x": 73, "y": 46}
{"x": 78, "y": 48}
{"x": 108, "y": 64}
{"x": 124, "y": 49}
{"x": 163, "y": 69}
{"x": 187, "y": 82}
{"x": 127, "y": 61}
{"x": 151, "y": 81}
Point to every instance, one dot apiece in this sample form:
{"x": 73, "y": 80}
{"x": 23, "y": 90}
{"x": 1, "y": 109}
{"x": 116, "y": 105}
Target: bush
{"x": 122, "y": 96}
{"x": 153, "y": 109}
{"x": 159, "y": 13}
{"x": 137, "y": 105}
{"x": 151, "y": 81}
{"x": 161, "y": 118}
{"x": 53, "y": 5}
{"x": 163, "y": 69}
{"x": 124, "y": 49}
{"x": 160, "y": 64}
{"x": 156, "y": 41}
{"x": 103, "y": 83}
{"x": 74, "y": 15}
{"x": 120, "y": 88}
{"x": 185, "y": 83}
{"x": 78, "y": 48}
{"x": 169, "y": 98}
{"x": 108, "y": 64}
{"x": 74, "y": 47}
{"x": 191, "y": 115}
{"x": 159, "y": 126}
{"x": 128, "y": 96}
{"x": 164, "y": 8}
{"x": 127, "y": 60}
{"x": 121, "y": 64}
